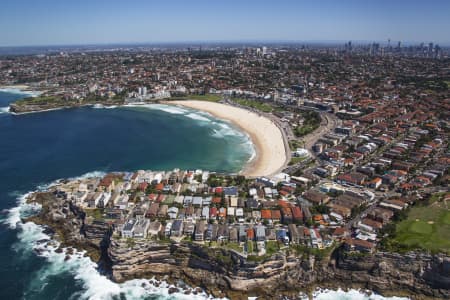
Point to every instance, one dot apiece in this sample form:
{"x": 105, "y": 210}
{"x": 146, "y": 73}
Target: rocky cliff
{"x": 66, "y": 223}
{"x": 225, "y": 273}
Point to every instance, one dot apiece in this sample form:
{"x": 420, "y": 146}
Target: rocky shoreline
{"x": 34, "y": 108}
{"x": 224, "y": 273}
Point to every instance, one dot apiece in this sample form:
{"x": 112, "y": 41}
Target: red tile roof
{"x": 266, "y": 214}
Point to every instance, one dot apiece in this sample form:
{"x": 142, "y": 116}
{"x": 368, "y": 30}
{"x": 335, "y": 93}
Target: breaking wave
{"x": 198, "y": 117}
{"x": 166, "y": 108}
{"x": 350, "y": 295}
{"x": 219, "y": 128}
{"x": 224, "y": 129}
{"x": 20, "y": 92}
{"x": 24, "y": 209}
{"x": 88, "y": 175}
{"x": 33, "y": 239}
{"x": 4, "y": 110}
{"x": 101, "y": 106}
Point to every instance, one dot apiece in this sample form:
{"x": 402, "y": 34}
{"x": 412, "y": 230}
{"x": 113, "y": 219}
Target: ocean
{"x": 38, "y": 148}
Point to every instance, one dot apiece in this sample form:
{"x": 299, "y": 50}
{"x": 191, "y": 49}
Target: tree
{"x": 299, "y": 189}
{"x": 322, "y": 209}
{"x": 308, "y": 223}
{"x": 240, "y": 180}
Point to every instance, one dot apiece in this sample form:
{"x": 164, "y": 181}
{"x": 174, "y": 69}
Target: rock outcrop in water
{"x": 29, "y": 105}
{"x": 66, "y": 223}
{"x": 225, "y": 273}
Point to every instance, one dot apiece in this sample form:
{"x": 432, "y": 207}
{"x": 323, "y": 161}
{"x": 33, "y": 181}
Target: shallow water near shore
{"x": 37, "y": 149}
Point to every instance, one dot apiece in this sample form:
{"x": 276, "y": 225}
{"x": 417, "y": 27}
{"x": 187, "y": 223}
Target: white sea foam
{"x": 32, "y": 239}
{"x": 141, "y": 105}
{"x": 350, "y": 295}
{"x": 101, "y": 106}
{"x": 15, "y": 213}
{"x": 4, "y": 110}
{"x": 225, "y": 129}
{"x": 221, "y": 130}
{"x": 90, "y": 175}
{"x": 25, "y": 209}
{"x": 176, "y": 110}
{"x": 20, "y": 92}
{"x": 169, "y": 109}
{"x": 251, "y": 150}
{"x": 95, "y": 286}
{"x": 198, "y": 117}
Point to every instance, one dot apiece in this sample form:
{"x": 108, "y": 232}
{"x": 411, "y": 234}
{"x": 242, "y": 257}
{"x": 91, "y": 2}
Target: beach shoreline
{"x": 265, "y": 135}
{"x": 20, "y": 88}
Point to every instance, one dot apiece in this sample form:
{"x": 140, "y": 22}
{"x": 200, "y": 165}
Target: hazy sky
{"x": 61, "y": 22}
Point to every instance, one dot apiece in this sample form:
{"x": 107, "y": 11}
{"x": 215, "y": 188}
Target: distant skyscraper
{"x": 264, "y": 50}
{"x": 348, "y": 46}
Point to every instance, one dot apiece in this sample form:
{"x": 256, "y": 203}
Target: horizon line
{"x": 217, "y": 42}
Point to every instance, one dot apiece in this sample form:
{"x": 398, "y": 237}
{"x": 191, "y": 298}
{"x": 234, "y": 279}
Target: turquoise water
{"x": 36, "y": 149}
{"x": 39, "y": 148}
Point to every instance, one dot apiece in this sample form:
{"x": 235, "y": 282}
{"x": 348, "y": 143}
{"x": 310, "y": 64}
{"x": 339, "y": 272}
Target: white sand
{"x": 268, "y": 140}
{"x": 16, "y": 86}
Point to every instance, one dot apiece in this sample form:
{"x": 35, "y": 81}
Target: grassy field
{"x": 207, "y": 97}
{"x": 304, "y": 130}
{"x": 96, "y": 213}
{"x": 261, "y": 106}
{"x": 250, "y": 247}
{"x": 427, "y": 227}
{"x": 272, "y": 247}
{"x": 233, "y": 246}
{"x": 40, "y": 100}
{"x": 295, "y": 160}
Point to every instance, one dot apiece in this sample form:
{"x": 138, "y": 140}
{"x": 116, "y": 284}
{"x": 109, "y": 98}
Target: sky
{"x": 79, "y": 22}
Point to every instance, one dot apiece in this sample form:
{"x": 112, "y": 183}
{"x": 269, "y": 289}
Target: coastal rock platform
{"x": 224, "y": 273}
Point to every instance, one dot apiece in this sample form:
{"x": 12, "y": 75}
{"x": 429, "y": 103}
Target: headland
{"x": 133, "y": 235}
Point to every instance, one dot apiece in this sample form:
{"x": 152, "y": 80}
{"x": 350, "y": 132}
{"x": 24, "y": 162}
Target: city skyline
{"x": 51, "y": 22}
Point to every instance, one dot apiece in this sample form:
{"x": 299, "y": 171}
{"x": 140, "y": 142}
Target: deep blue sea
{"x": 38, "y": 148}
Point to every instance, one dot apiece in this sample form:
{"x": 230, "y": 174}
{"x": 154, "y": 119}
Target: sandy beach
{"x": 16, "y": 87}
{"x": 266, "y": 136}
